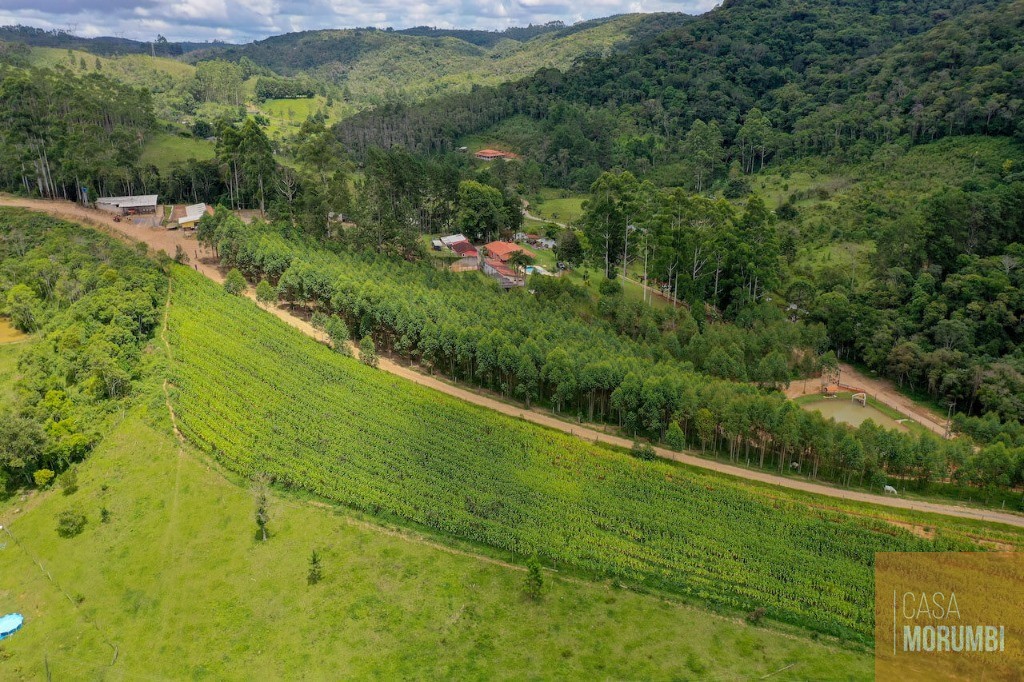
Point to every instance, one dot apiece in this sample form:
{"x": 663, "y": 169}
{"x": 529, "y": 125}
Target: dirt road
{"x": 881, "y": 390}
{"x": 159, "y": 239}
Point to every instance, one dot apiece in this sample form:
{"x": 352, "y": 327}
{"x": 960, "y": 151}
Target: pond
{"x": 8, "y": 334}
{"x": 845, "y": 411}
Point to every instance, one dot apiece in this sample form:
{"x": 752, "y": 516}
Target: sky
{"x": 246, "y": 20}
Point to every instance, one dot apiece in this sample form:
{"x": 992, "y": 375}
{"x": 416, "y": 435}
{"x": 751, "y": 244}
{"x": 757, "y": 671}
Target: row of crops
{"x": 263, "y": 398}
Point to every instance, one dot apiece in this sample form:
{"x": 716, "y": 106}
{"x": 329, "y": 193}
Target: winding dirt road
{"x": 160, "y": 239}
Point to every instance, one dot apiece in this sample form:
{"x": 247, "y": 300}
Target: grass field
{"x": 177, "y": 582}
{"x": 132, "y": 67}
{"x": 165, "y": 149}
{"x": 558, "y": 205}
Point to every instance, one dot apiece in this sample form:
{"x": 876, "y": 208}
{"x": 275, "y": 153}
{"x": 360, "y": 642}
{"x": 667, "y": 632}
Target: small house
{"x": 193, "y": 214}
{"x": 492, "y": 154}
{"x": 453, "y": 239}
{"x": 465, "y": 249}
{"x": 506, "y": 276}
{"x": 502, "y": 251}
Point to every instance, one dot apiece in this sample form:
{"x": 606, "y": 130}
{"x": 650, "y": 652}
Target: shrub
{"x": 787, "y": 211}
{"x": 265, "y": 293}
{"x": 337, "y": 330}
{"x": 316, "y": 569}
{"x": 43, "y": 477}
{"x": 534, "y": 578}
{"x": 70, "y": 523}
{"x": 368, "y": 351}
{"x": 69, "y": 481}
{"x": 180, "y": 257}
{"x": 755, "y": 616}
{"x": 736, "y": 188}
{"x": 234, "y": 283}
{"x": 610, "y": 287}
{"x": 643, "y": 451}
{"x": 674, "y": 437}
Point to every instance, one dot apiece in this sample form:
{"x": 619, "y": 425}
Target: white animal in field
{"x": 889, "y": 490}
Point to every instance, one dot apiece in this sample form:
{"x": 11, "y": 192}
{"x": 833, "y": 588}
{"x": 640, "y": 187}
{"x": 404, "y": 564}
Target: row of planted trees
{"x": 605, "y": 378}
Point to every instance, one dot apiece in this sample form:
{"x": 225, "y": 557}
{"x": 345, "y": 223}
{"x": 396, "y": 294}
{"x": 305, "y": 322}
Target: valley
{"x": 617, "y": 349}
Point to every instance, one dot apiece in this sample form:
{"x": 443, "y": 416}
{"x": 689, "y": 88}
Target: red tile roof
{"x": 504, "y": 250}
{"x": 464, "y": 249}
{"x": 501, "y": 268}
{"x": 495, "y": 154}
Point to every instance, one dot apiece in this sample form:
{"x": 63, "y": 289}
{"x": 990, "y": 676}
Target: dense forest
{"x": 58, "y": 134}
{"x": 772, "y": 79}
{"x": 674, "y": 139}
{"x": 94, "y": 304}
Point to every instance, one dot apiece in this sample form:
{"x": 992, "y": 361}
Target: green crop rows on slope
{"x": 263, "y": 398}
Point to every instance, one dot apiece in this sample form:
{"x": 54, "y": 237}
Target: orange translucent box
{"x": 949, "y": 616}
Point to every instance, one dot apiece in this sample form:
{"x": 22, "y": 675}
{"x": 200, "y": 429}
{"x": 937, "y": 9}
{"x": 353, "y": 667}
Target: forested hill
{"x": 104, "y": 46}
{"x": 334, "y": 51}
{"x": 813, "y": 76}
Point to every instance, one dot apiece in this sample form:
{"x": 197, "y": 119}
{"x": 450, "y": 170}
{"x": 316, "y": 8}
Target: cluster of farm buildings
{"x": 494, "y": 258}
{"x": 186, "y": 217}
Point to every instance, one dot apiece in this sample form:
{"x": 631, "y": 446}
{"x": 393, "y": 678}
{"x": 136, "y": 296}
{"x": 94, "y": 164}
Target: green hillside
{"x": 167, "y": 576}
{"x": 176, "y": 582}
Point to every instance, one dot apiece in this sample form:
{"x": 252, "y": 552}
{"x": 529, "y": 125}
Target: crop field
{"x": 262, "y": 398}
{"x": 175, "y": 580}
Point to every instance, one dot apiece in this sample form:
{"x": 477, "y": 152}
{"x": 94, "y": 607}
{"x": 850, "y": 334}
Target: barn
{"x": 131, "y": 205}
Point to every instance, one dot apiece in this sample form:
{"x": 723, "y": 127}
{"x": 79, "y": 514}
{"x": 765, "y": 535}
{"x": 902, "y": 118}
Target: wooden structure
{"x": 132, "y": 205}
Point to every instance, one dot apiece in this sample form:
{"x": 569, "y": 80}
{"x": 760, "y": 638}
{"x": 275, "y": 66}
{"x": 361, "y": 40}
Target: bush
{"x": 265, "y": 293}
{"x": 337, "y": 330}
{"x": 180, "y": 257}
{"x": 43, "y": 477}
{"x": 643, "y": 451}
{"x": 675, "y": 438}
{"x": 368, "y": 351}
{"x": 534, "y": 578}
{"x": 755, "y": 616}
{"x": 736, "y": 188}
{"x": 609, "y": 286}
{"x": 69, "y": 481}
{"x": 787, "y": 211}
{"x": 316, "y": 569}
{"x": 234, "y": 283}
{"x": 70, "y": 523}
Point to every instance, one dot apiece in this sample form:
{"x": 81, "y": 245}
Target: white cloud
{"x": 245, "y": 20}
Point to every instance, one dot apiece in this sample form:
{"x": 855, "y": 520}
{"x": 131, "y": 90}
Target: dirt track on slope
{"x": 161, "y": 239}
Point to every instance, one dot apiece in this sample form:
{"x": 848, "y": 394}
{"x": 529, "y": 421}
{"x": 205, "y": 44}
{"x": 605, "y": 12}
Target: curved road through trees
{"x": 160, "y": 239}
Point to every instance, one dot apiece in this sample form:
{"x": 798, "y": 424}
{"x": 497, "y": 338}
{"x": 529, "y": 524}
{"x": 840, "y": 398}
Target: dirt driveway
{"x": 160, "y": 239}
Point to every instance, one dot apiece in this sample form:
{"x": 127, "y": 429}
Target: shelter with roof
{"x": 130, "y": 205}
{"x": 502, "y": 251}
{"x": 506, "y": 276}
{"x": 492, "y": 154}
{"x": 193, "y": 214}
